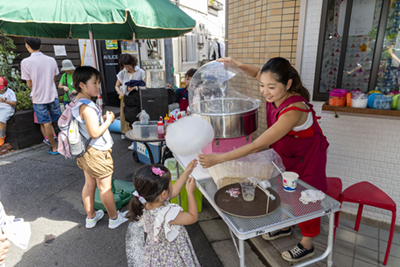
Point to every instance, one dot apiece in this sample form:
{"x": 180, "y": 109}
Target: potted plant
{"x": 21, "y": 130}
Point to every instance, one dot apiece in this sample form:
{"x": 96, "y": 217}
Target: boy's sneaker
{"x": 123, "y": 136}
{"x": 90, "y": 223}
{"x": 112, "y": 224}
{"x": 277, "y": 234}
{"x": 46, "y": 141}
{"x": 298, "y": 253}
{"x": 131, "y": 147}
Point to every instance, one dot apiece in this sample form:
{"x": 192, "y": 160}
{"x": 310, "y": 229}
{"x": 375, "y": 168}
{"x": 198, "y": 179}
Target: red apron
{"x": 184, "y": 103}
{"x": 305, "y": 156}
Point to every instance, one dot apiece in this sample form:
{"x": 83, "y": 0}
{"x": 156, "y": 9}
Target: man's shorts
{"x": 98, "y": 164}
{"x": 45, "y": 111}
{"x": 5, "y": 114}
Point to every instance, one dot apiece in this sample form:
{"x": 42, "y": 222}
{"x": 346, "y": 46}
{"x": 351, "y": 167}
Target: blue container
{"x": 115, "y": 126}
{"x": 383, "y": 102}
{"x": 143, "y": 154}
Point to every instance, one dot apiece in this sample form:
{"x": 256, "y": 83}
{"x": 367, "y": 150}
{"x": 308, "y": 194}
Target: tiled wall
{"x": 259, "y": 30}
{"x": 361, "y": 148}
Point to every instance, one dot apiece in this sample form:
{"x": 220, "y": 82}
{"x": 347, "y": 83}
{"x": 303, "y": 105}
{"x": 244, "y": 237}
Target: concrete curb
{"x": 16, "y": 152}
{"x": 268, "y": 252}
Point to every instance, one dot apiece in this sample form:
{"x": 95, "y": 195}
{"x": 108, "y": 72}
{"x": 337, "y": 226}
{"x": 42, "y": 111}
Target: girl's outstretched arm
{"x": 285, "y": 123}
{"x": 178, "y": 185}
{"x": 250, "y": 70}
{"x": 190, "y": 217}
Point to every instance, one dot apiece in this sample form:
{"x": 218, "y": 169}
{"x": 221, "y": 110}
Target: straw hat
{"x": 67, "y": 65}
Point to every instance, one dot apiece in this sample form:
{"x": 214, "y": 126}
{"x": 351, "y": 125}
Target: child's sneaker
{"x": 46, "y": 141}
{"x": 298, "y": 253}
{"x": 90, "y": 223}
{"x": 131, "y": 147}
{"x": 277, "y": 234}
{"x": 112, "y": 224}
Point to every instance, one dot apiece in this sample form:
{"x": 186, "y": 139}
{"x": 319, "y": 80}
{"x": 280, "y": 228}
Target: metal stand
{"x": 244, "y": 228}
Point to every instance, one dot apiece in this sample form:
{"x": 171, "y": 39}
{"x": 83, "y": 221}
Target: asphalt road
{"x": 45, "y": 190}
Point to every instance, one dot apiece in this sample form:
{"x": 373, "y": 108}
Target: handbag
{"x": 133, "y": 99}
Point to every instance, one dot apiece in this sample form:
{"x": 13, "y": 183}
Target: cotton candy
{"x": 189, "y": 135}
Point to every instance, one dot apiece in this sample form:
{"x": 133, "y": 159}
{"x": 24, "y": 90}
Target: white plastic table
{"x": 290, "y": 212}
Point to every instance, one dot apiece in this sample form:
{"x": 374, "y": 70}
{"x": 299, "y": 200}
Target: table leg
{"x": 329, "y": 248}
{"x": 330, "y": 238}
{"x": 177, "y": 176}
{"x": 241, "y": 250}
{"x": 150, "y": 153}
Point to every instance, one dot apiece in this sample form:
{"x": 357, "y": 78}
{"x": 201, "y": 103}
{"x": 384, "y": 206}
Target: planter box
{"x": 22, "y": 131}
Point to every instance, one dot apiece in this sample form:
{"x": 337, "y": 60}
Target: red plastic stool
{"x": 334, "y": 191}
{"x": 365, "y": 193}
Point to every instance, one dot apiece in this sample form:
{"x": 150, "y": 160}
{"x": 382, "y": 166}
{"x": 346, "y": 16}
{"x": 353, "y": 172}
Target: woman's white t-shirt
{"x": 123, "y": 76}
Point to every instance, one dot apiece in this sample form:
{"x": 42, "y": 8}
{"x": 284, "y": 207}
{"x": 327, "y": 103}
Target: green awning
{"x": 107, "y": 19}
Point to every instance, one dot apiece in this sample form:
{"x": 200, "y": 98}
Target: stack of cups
{"x": 359, "y": 99}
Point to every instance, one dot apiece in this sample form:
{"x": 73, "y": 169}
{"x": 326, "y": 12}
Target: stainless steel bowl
{"x": 230, "y": 117}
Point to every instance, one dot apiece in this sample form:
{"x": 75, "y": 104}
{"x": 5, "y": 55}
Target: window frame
{"x": 183, "y": 49}
{"x": 318, "y": 96}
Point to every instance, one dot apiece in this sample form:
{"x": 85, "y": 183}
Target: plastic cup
{"x": 248, "y": 186}
{"x": 289, "y": 180}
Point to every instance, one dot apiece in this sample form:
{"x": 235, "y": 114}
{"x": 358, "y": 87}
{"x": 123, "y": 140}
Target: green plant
{"x": 11, "y": 72}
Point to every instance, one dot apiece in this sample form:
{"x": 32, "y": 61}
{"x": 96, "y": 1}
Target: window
{"x": 364, "y": 55}
{"x": 189, "y": 48}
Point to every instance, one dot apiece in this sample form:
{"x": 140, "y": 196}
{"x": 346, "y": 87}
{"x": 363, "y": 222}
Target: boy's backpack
{"x": 71, "y": 143}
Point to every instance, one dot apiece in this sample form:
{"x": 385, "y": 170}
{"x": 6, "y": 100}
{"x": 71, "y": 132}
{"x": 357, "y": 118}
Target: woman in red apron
{"x": 182, "y": 94}
{"x": 293, "y": 132}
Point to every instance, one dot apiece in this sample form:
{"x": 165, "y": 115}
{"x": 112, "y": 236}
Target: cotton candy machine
{"x": 221, "y": 94}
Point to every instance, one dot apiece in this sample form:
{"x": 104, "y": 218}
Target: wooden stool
{"x": 334, "y": 191}
{"x": 365, "y": 193}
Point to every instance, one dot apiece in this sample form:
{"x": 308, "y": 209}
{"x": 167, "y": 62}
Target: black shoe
{"x": 277, "y": 234}
{"x": 297, "y": 253}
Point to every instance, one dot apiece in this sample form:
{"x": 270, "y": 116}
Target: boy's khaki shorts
{"x": 98, "y": 164}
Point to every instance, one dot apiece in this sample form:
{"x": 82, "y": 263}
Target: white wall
{"x": 214, "y": 26}
{"x": 361, "y": 148}
{"x": 200, "y": 5}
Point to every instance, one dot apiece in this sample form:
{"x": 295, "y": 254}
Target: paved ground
{"x": 45, "y": 190}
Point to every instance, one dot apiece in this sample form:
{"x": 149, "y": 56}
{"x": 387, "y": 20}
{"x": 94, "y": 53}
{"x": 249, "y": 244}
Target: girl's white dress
{"x": 166, "y": 245}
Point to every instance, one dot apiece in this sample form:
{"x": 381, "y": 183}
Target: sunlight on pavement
{"x": 43, "y": 232}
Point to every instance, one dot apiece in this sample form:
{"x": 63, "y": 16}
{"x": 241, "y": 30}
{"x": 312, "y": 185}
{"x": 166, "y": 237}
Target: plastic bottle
{"x": 144, "y": 117}
{"x": 160, "y": 126}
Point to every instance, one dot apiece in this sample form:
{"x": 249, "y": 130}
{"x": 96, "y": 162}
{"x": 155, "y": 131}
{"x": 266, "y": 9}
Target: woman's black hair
{"x": 83, "y": 74}
{"x": 34, "y": 43}
{"x": 190, "y": 73}
{"x": 149, "y": 186}
{"x": 127, "y": 59}
{"x": 282, "y": 71}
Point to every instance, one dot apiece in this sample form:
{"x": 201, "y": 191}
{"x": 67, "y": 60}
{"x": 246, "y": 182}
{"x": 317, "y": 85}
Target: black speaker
{"x": 156, "y": 101}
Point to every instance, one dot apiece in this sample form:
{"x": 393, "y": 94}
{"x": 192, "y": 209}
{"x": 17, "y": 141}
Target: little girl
{"x": 96, "y": 162}
{"x": 167, "y": 243}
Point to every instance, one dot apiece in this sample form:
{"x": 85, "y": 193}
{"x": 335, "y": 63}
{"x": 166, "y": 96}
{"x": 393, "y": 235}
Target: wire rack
{"x": 290, "y": 212}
